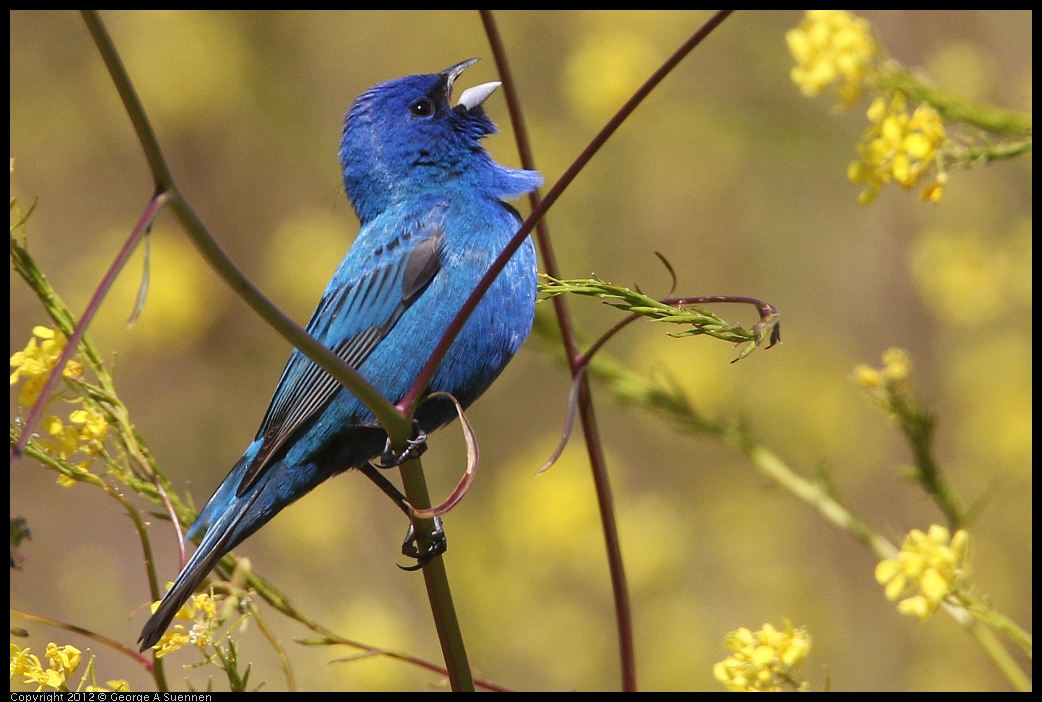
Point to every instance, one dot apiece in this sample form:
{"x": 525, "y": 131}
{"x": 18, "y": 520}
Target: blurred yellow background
{"x": 727, "y": 170}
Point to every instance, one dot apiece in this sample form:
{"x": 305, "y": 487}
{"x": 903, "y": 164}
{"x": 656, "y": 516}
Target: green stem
{"x": 397, "y": 425}
{"x": 952, "y": 106}
{"x": 983, "y": 154}
{"x": 634, "y": 388}
{"x": 103, "y": 398}
{"x": 436, "y": 579}
{"x": 280, "y": 652}
{"x": 998, "y": 653}
{"x": 985, "y": 613}
{"x": 279, "y": 601}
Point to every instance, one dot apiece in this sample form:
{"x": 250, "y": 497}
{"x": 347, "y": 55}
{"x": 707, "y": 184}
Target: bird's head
{"x": 405, "y": 137}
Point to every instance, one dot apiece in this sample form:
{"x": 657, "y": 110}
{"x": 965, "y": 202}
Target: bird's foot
{"x": 413, "y": 449}
{"x": 410, "y": 547}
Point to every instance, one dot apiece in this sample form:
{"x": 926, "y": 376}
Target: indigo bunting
{"x": 430, "y": 201}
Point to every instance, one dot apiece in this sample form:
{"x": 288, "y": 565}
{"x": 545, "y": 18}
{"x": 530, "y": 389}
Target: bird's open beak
{"x": 471, "y": 97}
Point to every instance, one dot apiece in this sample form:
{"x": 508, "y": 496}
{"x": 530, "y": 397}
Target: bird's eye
{"x": 422, "y": 108}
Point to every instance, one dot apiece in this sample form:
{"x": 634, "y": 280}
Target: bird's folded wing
{"x": 351, "y": 320}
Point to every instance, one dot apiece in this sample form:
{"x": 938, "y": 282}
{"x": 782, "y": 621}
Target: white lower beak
{"x": 472, "y": 97}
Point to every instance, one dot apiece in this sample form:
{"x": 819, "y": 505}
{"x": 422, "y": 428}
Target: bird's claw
{"x": 410, "y": 547}
{"x": 414, "y": 448}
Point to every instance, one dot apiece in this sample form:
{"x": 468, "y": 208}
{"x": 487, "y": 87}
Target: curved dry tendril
{"x": 473, "y": 457}
{"x": 569, "y": 421}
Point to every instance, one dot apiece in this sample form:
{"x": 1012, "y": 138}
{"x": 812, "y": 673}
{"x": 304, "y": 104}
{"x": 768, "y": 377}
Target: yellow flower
{"x": 201, "y": 608}
{"x": 22, "y": 662}
{"x": 88, "y": 437}
{"x": 200, "y": 635}
{"x": 66, "y": 438}
{"x": 92, "y": 431}
{"x": 934, "y": 191}
{"x": 868, "y": 377}
{"x": 763, "y": 661}
{"x": 205, "y": 603}
{"x": 926, "y": 570}
{"x": 64, "y": 660}
{"x": 889, "y": 384}
{"x": 829, "y": 46}
{"x": 899, "y": 147}
{"x": 37, "y": 360}
{"x": 171, "y": 641}
{"x": 897, "y": 366}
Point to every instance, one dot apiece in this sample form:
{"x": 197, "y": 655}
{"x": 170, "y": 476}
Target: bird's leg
{"x": 410, "y": 547}
{"x": 386, "y": 486}
{"x": 414, "y": 449}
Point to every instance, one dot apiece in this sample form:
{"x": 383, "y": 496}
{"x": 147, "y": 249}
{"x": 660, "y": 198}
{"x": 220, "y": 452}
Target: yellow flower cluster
{"x": 64, "y": 661}
{"x": 929, "y": 565}
{"x": 829, "y": 46}
{"x": 890, "y": 386}
{"x": 88, "y": 428}
{"x": 764, "y": 660}
{"x": 37, "y": 360}
{"x": 201, "y": 634}
{"x": 897, "y": 369}
{"x": 86, "y": 433}
{"x": 899, "y": 147}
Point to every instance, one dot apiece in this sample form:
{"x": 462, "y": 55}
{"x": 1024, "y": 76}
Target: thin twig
{"x": 151, "y": 210}
{"x": 398, "y": 425}
{"x": 141, "y": 660}
{"x": 539, "y": 207}
{"x": 415, "y": 393}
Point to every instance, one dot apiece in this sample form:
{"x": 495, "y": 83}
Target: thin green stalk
{"x": 985, "y": 613}
{"x": 998, "y": 653}
{"x": 144, "y": 222}
{"x": 276, "y": 645}
{"x": 103, "y": 398}
{"x": 279, "y": 601}
{"x": 952, "y": 106}
{"x": 437, "y": 582}
{"x": 967, "y": 156}
{"x": 397, "y": 424}
{"x": 634, "y": 388}
{"x": 35, "y": 451}
{"x": 138, "y": 658}
{"x": 398, "y": 427}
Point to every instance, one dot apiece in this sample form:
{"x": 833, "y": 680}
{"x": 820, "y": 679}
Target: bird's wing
{"x": 351, "y": 320}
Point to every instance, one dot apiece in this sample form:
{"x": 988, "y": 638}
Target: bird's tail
{"x": 214, "y": 545}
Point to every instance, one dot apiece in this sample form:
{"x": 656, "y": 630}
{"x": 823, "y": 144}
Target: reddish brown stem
{"x": 151, "y": 210}
{"x": 408, "y": 403}
{"x": 575, "y": 358}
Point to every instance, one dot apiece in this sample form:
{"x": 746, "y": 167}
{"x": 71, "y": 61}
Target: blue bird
{"x": 430, "y": 201}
